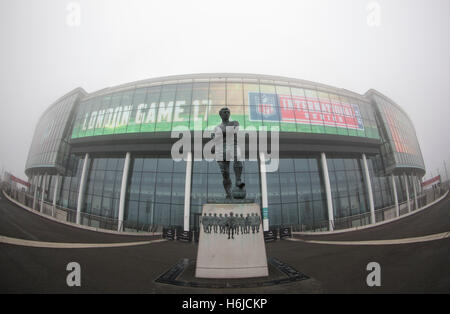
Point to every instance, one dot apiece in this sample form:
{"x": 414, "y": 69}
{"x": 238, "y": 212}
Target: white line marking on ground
{"x": 427, "y": 238}
{"x": 59, "y": 245}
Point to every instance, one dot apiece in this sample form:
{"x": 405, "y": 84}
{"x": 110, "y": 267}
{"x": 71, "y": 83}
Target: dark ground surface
{"x": 429, "y": 221}
{"x": 406, "y": 268}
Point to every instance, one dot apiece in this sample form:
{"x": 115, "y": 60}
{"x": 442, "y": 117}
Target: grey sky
{"x": 406, "y": 56}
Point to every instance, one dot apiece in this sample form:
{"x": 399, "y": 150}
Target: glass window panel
{"x": 288, "y": 188}
{"x": 200, "y": 102}
{"x": 149, "y": 164}
{"x": 178, "y": 186}
{"x": 217, "y": 94}
{"x": 273, "y": 188}
{"x": 286, "y": 165}
{"x": 163, "y": 188}
{"x": 165, "y": 165}
{"x": 320, "y": 213}
{"x": 287, "y": 109}
{"x": 302, "y": 116}
{"x": 149, "y": 117}
{"x": 235, "y": 94}
{"x": 111, "y": 163}
{"x": 251, "y": 101}
{"x": 317, "y": 187}
{"x": 147, "y": 186}
{"x": 139, "y": 110}
{"x": 199, "y": 188}
{"x": 215, "y": 186}
{"x": 313, "y": 164}
{"x": 268, "y": 107}
{"x": 182, "y": 109}
{"x": 137, "y": 164}
{"x": 200, "y": 166}
{"x": 303, "y": 186}
{"x": 165, "y": 108}
{"x": 274, "y": 211}
{"x": 179, "y": 166}
{"x": 301, "y": 164}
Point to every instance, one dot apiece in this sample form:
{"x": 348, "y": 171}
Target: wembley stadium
{"x": 103, "y": 159}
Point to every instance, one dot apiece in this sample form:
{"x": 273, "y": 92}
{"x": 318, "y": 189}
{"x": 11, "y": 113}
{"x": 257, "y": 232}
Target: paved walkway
{"x": 406, "y": 267}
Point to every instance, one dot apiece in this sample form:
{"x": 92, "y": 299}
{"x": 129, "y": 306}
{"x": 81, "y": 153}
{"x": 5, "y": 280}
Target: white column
{"x": 44, "y": 179}
{"x": 55, "y": 195}
{"x": 264, "y": 197}
{"x": 326, "y": 179}
{"x": 82, "y": 188}
{"x": 123, "y": 191}
{"x": 36, "y": 181}
{"x": 369, "y": 190}
{"x": 187, "y": 191}
{"x": 414, "y": 181}
{"x": 407, "y": 192}
{"x": 394, "y": 188}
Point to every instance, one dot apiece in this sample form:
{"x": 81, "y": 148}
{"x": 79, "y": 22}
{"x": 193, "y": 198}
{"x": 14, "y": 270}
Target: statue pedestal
{"x": 231, "y": 248}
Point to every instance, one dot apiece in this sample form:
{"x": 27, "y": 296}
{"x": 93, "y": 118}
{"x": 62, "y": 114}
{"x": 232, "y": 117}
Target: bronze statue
{"x": 224, "y": 164}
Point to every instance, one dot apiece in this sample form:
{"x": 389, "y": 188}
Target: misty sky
{"x": 400, "y": 48}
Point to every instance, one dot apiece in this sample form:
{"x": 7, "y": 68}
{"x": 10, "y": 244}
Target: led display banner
{"x": 296, "y": 109}
{"x": 20, "y": 181}
{"x": 290, "y": 113}
{"x": 431, "y": 181}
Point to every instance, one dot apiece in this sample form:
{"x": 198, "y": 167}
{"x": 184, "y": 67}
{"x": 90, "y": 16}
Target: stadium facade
{"x": 106, "y": 156}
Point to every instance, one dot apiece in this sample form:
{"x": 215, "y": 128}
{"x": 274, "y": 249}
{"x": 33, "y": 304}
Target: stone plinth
{"x": 231, "y": 248}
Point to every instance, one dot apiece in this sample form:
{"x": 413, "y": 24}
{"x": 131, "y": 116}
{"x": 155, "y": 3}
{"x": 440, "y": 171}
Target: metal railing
{"x": 110, "y": 223}
{"x": 382, "y": 214}
{"x": 86, "y": 219}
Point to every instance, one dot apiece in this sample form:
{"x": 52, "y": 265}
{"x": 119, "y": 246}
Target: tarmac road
{"x": 405, "y": 268}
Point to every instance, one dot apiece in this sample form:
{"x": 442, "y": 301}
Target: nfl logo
{"x": 263, "y": 106}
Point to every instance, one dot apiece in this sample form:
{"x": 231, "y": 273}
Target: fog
{"x": 400, "y": 48}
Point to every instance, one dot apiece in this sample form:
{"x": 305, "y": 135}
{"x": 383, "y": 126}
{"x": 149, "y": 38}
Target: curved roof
{"x": 245, "y": 77}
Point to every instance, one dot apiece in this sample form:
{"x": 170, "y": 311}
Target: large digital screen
{"x": 161, "y": 110}
{"x": 401, "y": 136}
{"x": 303, "y": 110}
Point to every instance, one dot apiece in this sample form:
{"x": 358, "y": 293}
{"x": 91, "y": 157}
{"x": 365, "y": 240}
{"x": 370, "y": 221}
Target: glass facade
{"x": 50, "y": 145}
{"x": 296, "y": 194}
{"x": 104, "y": 180}
{"x": 155, "y": 192}
{"x": 348, "y": 188}
{"x": 400, "y": 148}
{"x": 195, "y": 105}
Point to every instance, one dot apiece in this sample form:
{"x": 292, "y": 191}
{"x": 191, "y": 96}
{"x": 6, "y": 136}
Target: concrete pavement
{"x": 405, "y": 268}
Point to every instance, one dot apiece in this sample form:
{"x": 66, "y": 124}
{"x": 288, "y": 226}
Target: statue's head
{"x": 224, "y": 113}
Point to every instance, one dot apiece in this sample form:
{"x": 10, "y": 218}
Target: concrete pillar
{"x": 394, "y": 191}
{"x": 123, "y": 191}
{"x": 405, "y": 179}
{"x": 326, "y": 179}
{"x": 36, "y": 180}
{"x": 82, "y": 188}
{"x": 187, "y": 191}
{"x": 264, "y": 196}
{"x": 414, "y": 181}
{"x": 369, "y": 190}
{"x": 55, "y": 194}
{"x": 44, "y": 179}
